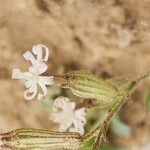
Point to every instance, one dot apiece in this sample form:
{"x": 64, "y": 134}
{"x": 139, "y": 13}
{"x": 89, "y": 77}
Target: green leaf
{"x": 119, "y": 127}
{"x": 87, "y": 144}
{"x": 107, "y": 147}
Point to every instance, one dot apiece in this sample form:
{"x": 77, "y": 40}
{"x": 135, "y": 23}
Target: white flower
{"x": 33, "y": 77}
{"x": 64, "y": 113}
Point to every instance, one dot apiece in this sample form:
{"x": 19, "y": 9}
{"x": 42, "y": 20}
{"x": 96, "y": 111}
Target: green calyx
{"x": 104, "y": 92}
{"x": 87, "y": 85}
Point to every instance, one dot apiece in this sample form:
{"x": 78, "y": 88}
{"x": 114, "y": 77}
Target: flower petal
{"x": 59, "y": 103}
{"x": 28, "y": 84}
{"x": 79, "y": 116}
{"x": 31, "y": 92}
{"x": 40, "y": 67}
{"x": 72, "y": 105}
{"x": 17, "y": 74}
{"x": 44, "y": 89}
{"x": 38, "y": 50}
{"x": 62, "y": 118}
{"x": 65, "y": 126}
{"x": 64, "y": 104}
{"x": 31, "y": 86}
{"x": 78, "y": 126}
{"x": 29, "y": 57}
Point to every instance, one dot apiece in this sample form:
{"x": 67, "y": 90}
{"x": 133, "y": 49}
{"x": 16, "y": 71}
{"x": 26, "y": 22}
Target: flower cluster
{"x": 63, "y": 111}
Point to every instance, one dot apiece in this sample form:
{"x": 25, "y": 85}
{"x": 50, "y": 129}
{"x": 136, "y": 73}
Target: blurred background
{"x": 109, "y": 38}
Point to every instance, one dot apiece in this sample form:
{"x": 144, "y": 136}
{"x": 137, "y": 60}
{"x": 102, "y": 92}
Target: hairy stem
{"x": 101, "y": 134}
{"x": 143, "y": 76}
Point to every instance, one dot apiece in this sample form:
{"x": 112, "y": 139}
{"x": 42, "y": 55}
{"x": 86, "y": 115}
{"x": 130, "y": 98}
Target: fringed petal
{"x": 17, "y": 74}
{"x": 29, "y": 57}
{"x": 79, "y": 115}
{"x": 31, "y": 92}
{"x": 38, "y": 50}
{"x": 44, "y": 89}
{"x": 40, "y": 67}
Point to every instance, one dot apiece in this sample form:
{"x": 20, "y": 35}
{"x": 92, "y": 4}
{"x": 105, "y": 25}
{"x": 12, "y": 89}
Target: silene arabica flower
{"x": 33, "y": 78}
{"x": 69, "y": 119}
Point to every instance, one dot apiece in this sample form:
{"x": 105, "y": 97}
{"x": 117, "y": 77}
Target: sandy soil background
{"x": 107, "y": 37}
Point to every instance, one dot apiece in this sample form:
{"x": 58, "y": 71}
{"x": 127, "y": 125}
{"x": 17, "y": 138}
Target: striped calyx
{"x": 87, "y": 85}
{"x": 39, "y": 139}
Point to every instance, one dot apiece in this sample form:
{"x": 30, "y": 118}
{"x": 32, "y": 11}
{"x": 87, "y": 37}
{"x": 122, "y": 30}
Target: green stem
{"x": 100, "y": 131}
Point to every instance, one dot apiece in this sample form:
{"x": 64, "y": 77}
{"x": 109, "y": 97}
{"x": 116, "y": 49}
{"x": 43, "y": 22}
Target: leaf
{"x": 107, "y": 147}
{"x": 119, "y": 127}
